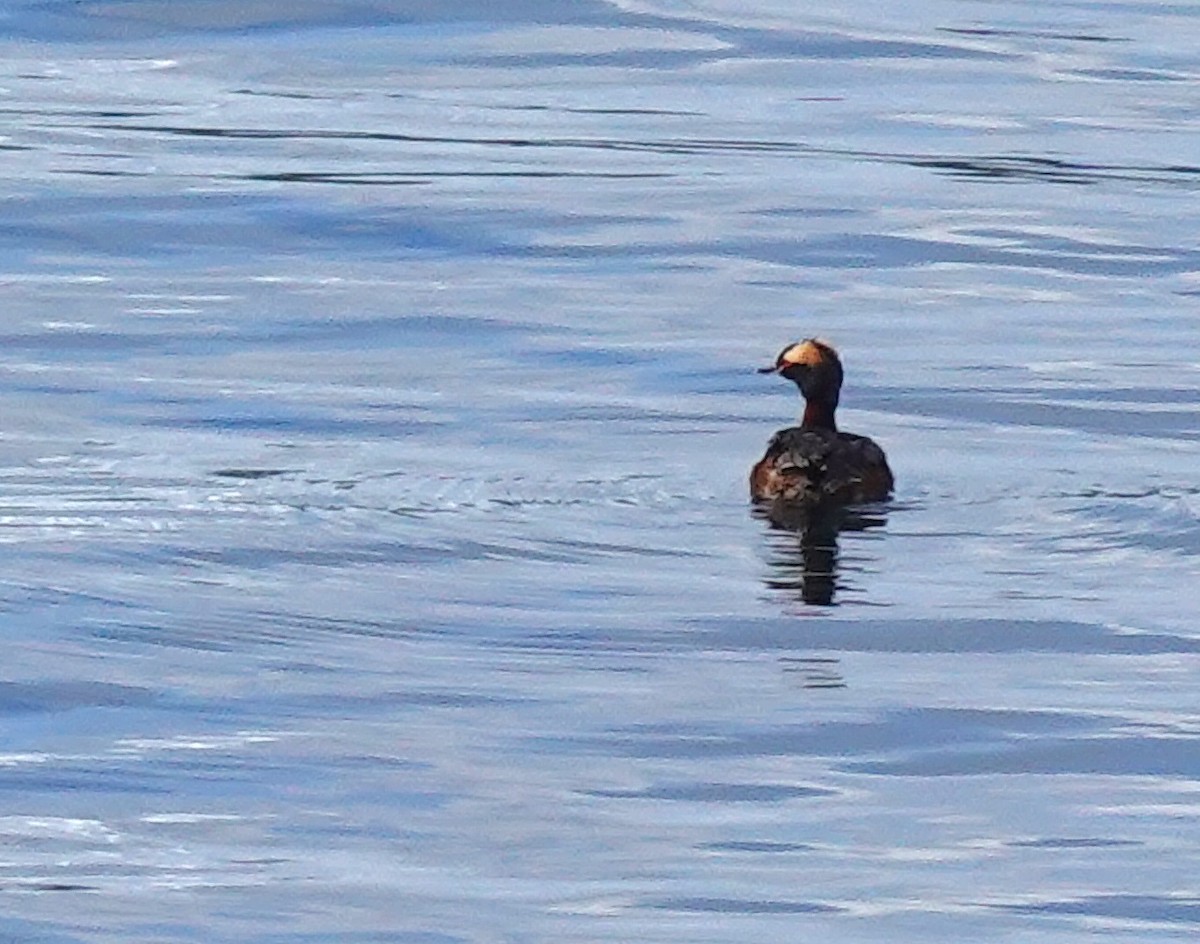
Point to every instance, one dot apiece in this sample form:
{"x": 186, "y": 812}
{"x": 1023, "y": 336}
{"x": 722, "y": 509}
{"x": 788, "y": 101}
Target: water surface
{"x": 378, "y": 392}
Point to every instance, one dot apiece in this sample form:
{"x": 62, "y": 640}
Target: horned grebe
{"x": 813, "y": 463}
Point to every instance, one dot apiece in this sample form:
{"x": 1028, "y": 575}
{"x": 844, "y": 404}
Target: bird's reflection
{"x": 803, "y": 546}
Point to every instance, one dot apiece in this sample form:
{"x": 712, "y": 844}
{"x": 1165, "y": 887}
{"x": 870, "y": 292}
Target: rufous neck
{"x": 818, "y": 414}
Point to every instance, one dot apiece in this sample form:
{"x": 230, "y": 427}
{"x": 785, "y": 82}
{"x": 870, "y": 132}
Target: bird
{"x": 814, "y": 464}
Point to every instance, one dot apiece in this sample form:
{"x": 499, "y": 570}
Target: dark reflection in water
{"x": 989, "y": 167}
{"x": 815, "y": 671}
{"x": 803, "y": 552}
{"x": 1172, "y": 909}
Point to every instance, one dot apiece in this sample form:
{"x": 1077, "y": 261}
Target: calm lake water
{"x": 378, "y": 395}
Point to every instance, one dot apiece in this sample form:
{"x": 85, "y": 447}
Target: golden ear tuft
{"x": 808, "y": 353}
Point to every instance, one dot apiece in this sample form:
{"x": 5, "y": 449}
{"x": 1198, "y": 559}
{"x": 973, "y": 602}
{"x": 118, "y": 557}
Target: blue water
{"x": 378, "y": 394}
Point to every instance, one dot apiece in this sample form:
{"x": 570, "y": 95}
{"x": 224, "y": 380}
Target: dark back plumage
{"x": 814, "y": 466}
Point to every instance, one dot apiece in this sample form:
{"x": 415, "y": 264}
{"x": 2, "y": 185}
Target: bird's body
{"x": 814, "y": 463}
{"x": 810, "y": 466}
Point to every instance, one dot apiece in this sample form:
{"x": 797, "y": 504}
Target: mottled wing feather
{"x": 810, "y": 466}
